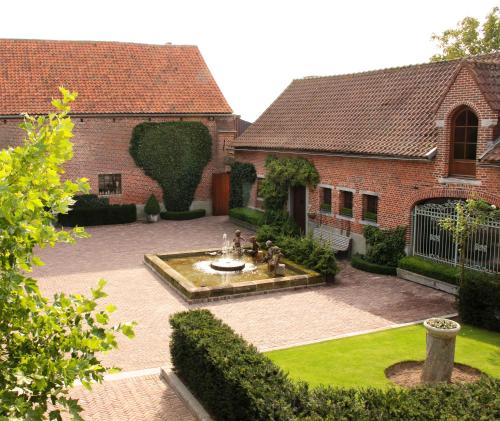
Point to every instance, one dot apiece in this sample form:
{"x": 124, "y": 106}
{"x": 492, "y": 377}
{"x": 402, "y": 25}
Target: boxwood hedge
{"x": 359, "y": 262}
{"x": 183, "y": 215}
{"x": 252, "y": 216}
{"x": 234, "y": 381}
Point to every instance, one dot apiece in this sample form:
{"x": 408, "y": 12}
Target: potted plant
{"x": 439, "y": 361}
{"x": 325, "y": 208}
{"x": 152, "y": 209}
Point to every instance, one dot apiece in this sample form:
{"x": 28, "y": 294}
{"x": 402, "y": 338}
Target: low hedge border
{"x": 251, "y": 216}
{"x": 183, "y": 215}
{"x": 358, "y": 262}
{"x": 435, "y": 270}
{"x": 234, "y": 381}
{"x": 103, "y": 215}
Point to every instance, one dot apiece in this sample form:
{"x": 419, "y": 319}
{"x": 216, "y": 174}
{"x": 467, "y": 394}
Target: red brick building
{"x": 384, "y": 141}
{"x": 120, "y": 85}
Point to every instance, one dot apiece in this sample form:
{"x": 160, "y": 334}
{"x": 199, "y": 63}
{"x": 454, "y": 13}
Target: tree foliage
{"x": 469, "y": 215}
{"x": 468, "y": 38}
{"x": 174, "y": 154}
{"x": 45, "y": 345}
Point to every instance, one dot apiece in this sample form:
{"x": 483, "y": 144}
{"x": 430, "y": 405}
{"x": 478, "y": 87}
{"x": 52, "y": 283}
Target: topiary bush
{"x": 183, "y": 215}
{"x": 359, "y": 262}
{"x": 90, "y": 201}
{"x": 241, "y": 172}
{"x": 385, "y": 247}
{"x": 152, "y": 206}
{"x": 174, "y": 154}
{"x": 435, "y": 270}
{"x": 234, "y": 381}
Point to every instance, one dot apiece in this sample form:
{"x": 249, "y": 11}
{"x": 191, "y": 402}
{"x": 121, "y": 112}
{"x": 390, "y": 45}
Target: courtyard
{"x": 356, "y": 303}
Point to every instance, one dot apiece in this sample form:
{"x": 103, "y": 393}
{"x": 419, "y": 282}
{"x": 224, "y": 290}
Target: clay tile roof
{"x": 110, "y": 77}
{"x": 382, "y": 112}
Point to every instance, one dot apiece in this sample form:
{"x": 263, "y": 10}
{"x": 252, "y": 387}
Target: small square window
{"x": 110, "y": 184}
{"x": 346, "y": 199}
{"x": 325, "y": 205}
{"x": 370, "y": 208}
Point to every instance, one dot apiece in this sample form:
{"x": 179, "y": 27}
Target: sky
{"x": 255, "y": 48}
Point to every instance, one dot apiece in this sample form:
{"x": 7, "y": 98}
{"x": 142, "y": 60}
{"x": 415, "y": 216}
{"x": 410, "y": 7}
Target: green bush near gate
{"x": 385, "y": 246}
{"x": 435, "y": 270}
{"x": 359, "y": 262}
{"x": 174, "y": 154}
{"x": 234, "y": 381}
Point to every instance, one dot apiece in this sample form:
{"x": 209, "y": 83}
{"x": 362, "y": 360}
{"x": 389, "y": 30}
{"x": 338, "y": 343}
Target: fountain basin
{"x": 228, "y": 265}
{"x": 176, "y": 270}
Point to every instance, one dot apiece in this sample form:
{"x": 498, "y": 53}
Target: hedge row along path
{"x": 358, "y": 301}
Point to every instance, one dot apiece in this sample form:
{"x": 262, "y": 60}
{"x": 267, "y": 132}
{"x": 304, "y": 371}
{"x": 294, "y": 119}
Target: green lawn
{"x": 361, "y": 360}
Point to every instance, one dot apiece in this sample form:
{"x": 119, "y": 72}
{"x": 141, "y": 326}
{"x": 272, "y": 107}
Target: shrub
{"x": 241, "y": 172}
{"x": 90, "y": 201}
{"x": 231, "y": 378}
{"x": 346, "y": 212}
{"x": 152, "y": 206}
{"x": 359, "y": 262}
{"x": 105, "y": 215}
{"x": 235, "y": 382}
{"x": 435, "y": 270}
{"x": 174, "y": 154}
{"x": 252, "y": 216}
{"x": 183, "y": 215}
{"x": 478, "y": 296}
{"x": 310, "y": 253}
{"x": 370, "y": 216}
{"x": 479, "y": 300}
{"x": 385, "y": 247}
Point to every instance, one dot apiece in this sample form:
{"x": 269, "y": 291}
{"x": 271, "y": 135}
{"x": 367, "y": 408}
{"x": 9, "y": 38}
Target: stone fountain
{"x": 227, "y": 263}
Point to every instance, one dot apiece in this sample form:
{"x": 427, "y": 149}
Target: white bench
{"x": 337, "y": 241}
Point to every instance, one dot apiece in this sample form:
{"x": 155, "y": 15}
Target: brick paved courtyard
{"x": 358, "y": 301}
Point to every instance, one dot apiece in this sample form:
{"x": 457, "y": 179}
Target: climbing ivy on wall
{"x": 241, "y": 172}
{"x": 283, "y": 173}
{"x": 174, "y": 154}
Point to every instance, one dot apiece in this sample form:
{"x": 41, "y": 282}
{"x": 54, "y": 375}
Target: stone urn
{"x": 440, "y": 350}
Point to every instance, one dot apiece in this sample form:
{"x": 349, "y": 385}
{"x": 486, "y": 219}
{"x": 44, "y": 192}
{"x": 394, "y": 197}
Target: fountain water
{"x": 227, "y": 263}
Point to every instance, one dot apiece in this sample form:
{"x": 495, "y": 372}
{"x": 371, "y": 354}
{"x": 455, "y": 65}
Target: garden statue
{"x": 254, "y": 251}
{"x": 237, "y": 240}
{"x": 274, "y": 264}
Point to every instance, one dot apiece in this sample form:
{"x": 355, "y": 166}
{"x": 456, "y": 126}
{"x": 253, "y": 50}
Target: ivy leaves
{"x": 174, "y": 154}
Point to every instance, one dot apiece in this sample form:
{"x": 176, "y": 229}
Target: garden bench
{"x": 339, "y": 242}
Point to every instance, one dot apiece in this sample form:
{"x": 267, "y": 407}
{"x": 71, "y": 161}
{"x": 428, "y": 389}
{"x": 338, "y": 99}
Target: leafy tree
{"x": 467, "y": 39}
{"x": 469, "y": 215}
{"x": 45, "y": 345}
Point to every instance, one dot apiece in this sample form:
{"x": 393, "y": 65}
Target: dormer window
{"x": 463, "y": 143}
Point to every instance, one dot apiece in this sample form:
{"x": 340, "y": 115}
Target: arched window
{"x": 463, "y": 143}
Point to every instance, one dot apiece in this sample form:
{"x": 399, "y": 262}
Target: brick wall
{"x": 101, "y": 146}
{"x": 400, "y": 184}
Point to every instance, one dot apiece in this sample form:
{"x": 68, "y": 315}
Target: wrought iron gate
{"x": 431, "y": 241}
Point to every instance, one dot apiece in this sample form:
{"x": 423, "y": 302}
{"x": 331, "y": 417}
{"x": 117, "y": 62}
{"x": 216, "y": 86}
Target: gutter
{"x": 116, "y": 115}
{"x": 428, "y": 156}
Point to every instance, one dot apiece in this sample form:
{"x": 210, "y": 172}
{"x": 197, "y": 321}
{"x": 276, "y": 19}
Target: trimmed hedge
{"x": 105, "y": 215}
{"x": 359, "y": 262}
{"x": 435, "y": 270}
{"x": 231, "y": 378}
{"x": 252, "y": 216}
{"x": 479, "y": 301}
{"x": 234, "y": 381}
{"x": 183, "y": 215}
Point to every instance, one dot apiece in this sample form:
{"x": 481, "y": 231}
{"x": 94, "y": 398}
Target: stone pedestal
{"x": 440, "y": 356}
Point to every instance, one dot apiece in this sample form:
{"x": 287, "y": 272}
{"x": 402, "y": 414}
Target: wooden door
{"x": 220, "y": 194}
{"x": 299, "y": 206}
